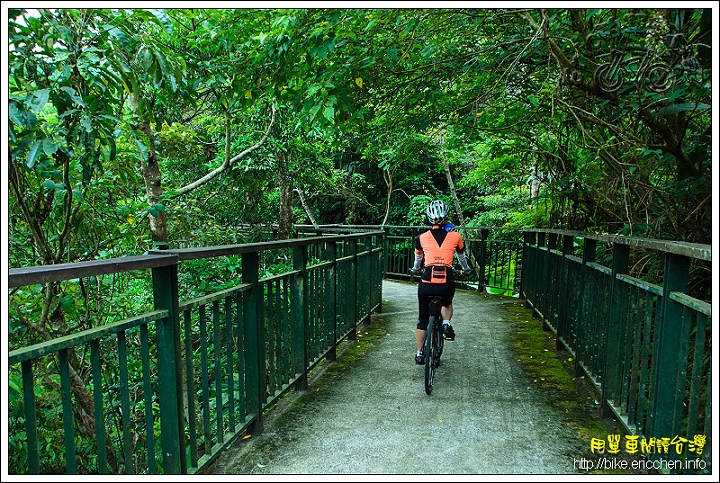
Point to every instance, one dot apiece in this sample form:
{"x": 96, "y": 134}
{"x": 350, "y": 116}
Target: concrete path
{"x": 484, "y": 416}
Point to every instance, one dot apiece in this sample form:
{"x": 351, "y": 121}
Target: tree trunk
{"x": 153, "y": 188}
{"x": 306, "y": 208}
{"x": 453, "y": 193}
{"x": 285, "y": 219}
{"x": 388, "y": 176}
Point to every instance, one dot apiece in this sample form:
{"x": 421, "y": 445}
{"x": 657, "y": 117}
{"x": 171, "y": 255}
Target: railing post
{"x": 331, "y": 296}
{"x": 253, "y": 308}
{"x": 563, "y": 326}
{"x": 384, "y": 260}
{"x": 364, "y": 279}
{"x": 352, "y": 293}
{"x": 542, "y": 278}
{"x": 613, "y": 343}
{"x": 527, "y": 276}
{"x": 378, "y": 254}
{"x": 482, "y": 282}
{"x": 165, "y": 295}
{"x": 33, "y": 456}
{"x": 589, "y": 254}
{"x": 667, "y": 392}
{"x": 540, "y": 271}
{"x": 551, "y": 311}
{"x": 299, "y": 299}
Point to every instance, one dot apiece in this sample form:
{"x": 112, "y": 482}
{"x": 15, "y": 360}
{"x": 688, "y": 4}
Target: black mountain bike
{"x": 434, "y": 338}
{"x": 434, "y": 343}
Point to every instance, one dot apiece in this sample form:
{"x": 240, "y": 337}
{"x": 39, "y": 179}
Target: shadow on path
{"x": 485, "y": 416}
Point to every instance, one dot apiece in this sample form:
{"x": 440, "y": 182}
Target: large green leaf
{"x": 37, "y": 100}
{"x": 163, "y": 19}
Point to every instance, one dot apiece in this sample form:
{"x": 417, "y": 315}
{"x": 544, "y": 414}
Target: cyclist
{"x": 437, "y": 247}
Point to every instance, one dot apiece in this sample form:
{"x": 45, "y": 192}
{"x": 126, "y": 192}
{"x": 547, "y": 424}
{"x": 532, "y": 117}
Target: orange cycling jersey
{"x": 439, "y": 248}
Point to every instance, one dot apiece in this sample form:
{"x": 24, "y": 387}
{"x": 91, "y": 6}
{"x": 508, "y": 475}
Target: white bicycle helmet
{"x": 437, "y": 212}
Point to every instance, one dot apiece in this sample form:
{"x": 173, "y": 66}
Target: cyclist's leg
{"x": 447, "y": 312}
{"x": 447, "y": 309}
{"x": 424, "y": 315}
{"x": 419, "y": 338}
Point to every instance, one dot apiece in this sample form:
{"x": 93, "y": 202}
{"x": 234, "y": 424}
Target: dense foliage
{"x": 131, "y": 126}
{"x": 135, "y": 128}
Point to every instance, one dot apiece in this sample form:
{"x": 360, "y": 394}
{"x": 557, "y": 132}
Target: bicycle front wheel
{"x": 429, "y": 356}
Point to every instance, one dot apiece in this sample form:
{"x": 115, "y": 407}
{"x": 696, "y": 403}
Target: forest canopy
{"x": 132, "y": 128}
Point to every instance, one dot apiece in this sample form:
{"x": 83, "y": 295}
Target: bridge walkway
{"x": 367, "y": 413}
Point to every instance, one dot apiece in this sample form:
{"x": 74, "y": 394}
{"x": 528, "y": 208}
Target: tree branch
{"x": 227, "y": 164}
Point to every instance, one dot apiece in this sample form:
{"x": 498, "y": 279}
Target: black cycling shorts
{"x": 444, "y": 290}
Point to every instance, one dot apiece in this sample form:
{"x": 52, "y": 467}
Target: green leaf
{"x": 14, "y": 386}
{"x": 49, "y": 146}
{"x": 86, "y": 123}
{"x": 52, "y": 185}
{"x": 33, "y": 154}
{"x": 142, "y": 148}
{"x": 162, "y": 19}
{"x": 125, "y": 41}
{"x": 16, "y": 116}
{"x": 74, "y": 96}
{"x": 329, "y": 113}
{"x": 37, "y": 100}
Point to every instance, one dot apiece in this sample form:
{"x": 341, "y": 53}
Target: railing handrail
{"x": 240, "y": 248}
{"x": 692, "y": 250}
{"x": 18, "y": 277}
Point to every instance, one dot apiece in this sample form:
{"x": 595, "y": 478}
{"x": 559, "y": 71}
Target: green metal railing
{"x": 494, "y": 253}
{"x": 646, "y": 346}
{"x": 172, "y": 387}
{"x": 175, "y": 385}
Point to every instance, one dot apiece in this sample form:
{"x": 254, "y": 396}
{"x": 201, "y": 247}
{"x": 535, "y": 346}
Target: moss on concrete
{"x": 553, "y": 372}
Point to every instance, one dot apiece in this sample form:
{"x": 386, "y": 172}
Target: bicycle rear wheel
{"x": 429, "y": 356}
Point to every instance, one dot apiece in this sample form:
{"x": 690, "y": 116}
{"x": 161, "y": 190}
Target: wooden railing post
{"x": 563, "y": 327}
{"x": 352, "y": 292}
{"x": 331, "y": 296}
{"x": 378, "y": 253}
{"x": 165, "y": 294}
{"x": 589, "y": 254}
{"x": 482, "y": 264}
{"x": 666, "y": 394}
{"x": 614, "y": 342}
{"x": 299, "y": 300}
{"x": 253, "y": 308}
